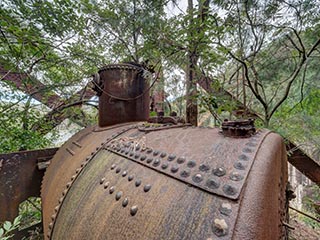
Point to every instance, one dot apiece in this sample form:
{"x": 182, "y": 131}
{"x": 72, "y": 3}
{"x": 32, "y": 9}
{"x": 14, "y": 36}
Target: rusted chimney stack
{"x": 123, "y": 94}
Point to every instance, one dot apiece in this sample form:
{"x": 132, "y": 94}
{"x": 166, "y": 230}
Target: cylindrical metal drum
{"x": 150, "y": 181}
{"x": 171, "y": 181}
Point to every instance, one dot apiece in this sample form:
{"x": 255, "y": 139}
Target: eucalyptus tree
{"x": 266, "y": 42}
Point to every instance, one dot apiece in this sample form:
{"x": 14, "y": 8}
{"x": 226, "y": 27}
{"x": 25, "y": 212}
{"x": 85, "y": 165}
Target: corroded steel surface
{"x": 20, "y": 179}
{"x": 124, "y": 94}
{"x": 169, "y": 182}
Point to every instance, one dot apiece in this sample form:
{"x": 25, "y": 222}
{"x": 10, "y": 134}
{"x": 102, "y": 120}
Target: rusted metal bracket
{"x": 303, "y": 163}
{"x": 20, "y": 178}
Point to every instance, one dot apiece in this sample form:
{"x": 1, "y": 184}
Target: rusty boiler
{"x": 130, "y": 178}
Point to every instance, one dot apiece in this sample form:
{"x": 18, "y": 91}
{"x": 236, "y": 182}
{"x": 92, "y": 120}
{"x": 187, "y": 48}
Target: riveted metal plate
{"x": 222, "y": 170}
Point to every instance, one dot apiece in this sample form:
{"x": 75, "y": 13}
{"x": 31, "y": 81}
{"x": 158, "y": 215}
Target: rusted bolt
{"x": 174, "y": 169}
{"x": 236, "y": 176}
{"x": 106, "y": 185}
{"x": 111, "y": 190}
{"x": 191, "y": 164}
{"x": 239, "y": 166}
{"x": 225, "y": 209}
{"x": 219, "y": 171}
{"x": 229, "y": 190}
{"x": 125, "y": 202}
{"x": 164, "y": 166}
{"x": 243, "y": 157}
{"x": 118, "y": 195}
{"x": 102, "y": 180}
{"x": 156, "y": 162}
{"x": 197, "y": 178}
{"x": 147, "y": 187}
{"x": 171, "y": 157}
{"x": 185, "y": 173}
{"x": 133, "y": 210}
{"x": 220, "y": 227}
{"x": 204, "y": 168}
{"x": 181, "y": 160}
{"x": 163, "y": 154}
{"x": 212, "y": 184}
{"x": 130, "y": 178}
{"x": 138, "y": 183}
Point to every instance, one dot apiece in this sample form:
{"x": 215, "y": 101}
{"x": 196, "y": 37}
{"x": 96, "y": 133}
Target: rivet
{"x": 124, "y": 173}
{"x": 137, "y": 155}
{"x": 204, "y": 168}
{"x": 56, "y": 209}
{"x": 49, "y": 234}
{"x": 220, "y": 227}
{"x": 149, "y": 160}
{"x": 82, "y": 164}
{"x": 225, "y": 209}
{"x": 236, "y": 176}
{"x": 113, "y": 166}
{"x": 125, "y": 202}
{"x": 163, "y": 154}
{"x": 122, "y": 150}
{"x": 127, "y": 152}
{"x": 50, "y": 226}
{"x": 131, "y": 154}
{"x": 219, "y": 171}
{"x": 53, "y": 217}
{"x": 68, "y": 184}
{"x": 118, "y": 170}
{"x": 197, "y": 178}
{"x": 130, "y": 178}
{"x": 118, "y": 195}
{"x": 64, "y": 192}
{"x": 149, "y": 150}
{"x": 171, "y": 157}
{"x": 78, "y": 170}
{"x": 147, "y": 187}
{"x": 164, "y": 166}
{"x": 181, "y": 160}
{"x": 138, "y": 183}
{"x": 247, "y": 150}
{"x": 60, "y": 200}
{"x": 185, "y": 173}
{"x": 88, "y": 158}
{"x": 212, "y": 184}
{"x": 251, "y": 144}
{"x": 243, "y": 157}
{"x": 106, "y": 185}
{"x": 138, "y": 147}
{"x": 191, "y": 164}
{"x": 229, "y": 190}
{"x": 156, "y": 162}
{"x": 102, "y": 180}
{"x": 175, "y": 168}
{"x": 155, "y": 152}
{"x": 111, "y": 190}
{"x": 239, "y": 166}
{"x": 143, "y": 157}
{"x": 133, "y": 210}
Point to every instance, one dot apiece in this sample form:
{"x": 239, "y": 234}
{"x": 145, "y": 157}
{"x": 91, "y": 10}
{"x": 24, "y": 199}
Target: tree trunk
{"x": 191, "y": 86}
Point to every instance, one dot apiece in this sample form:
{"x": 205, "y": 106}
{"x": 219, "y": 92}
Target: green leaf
{"x": 7, "y": 226}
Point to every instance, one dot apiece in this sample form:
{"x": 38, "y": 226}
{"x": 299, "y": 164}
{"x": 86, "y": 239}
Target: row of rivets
{"x": 78, "y": 170}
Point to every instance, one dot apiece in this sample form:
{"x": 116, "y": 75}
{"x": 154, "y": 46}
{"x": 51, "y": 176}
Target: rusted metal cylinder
{"x": 124, "y": 94}
{"x": 153, "y": 181}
